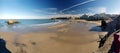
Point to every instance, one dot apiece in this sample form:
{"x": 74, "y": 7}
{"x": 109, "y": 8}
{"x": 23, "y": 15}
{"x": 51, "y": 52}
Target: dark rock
{"x": 11, "y": 22}
{"x": 3, "y": 48}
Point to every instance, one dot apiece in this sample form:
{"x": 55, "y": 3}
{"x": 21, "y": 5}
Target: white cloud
{"x": 97, "y": 9}
{"x": 115, "y": 12}
{"x": 79, "y": 4}
{"x": 46, "y": 11}
{"x": 37, "y": 10}
{"x": 51, "y": 8}
{"x": 39, "y": 14}
{"x": 22, "y": 17}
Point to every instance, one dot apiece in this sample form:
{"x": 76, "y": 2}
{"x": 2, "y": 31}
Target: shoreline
{"x": 66, "y": 37}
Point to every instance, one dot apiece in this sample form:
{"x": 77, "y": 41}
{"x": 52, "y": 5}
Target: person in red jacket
{"x": 116, "y": 42}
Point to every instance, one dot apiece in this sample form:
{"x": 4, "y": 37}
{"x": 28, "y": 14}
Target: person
{"x": 116, "y": 42}
{"x": 103, "y": 24}
{"x": 3, "y": 48}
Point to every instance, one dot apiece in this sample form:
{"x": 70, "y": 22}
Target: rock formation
{"x": 113, "y": 25}
{"x": 11, "y": 22}
{"x": 3, "y": 48}
{"x": 106, "y": 42}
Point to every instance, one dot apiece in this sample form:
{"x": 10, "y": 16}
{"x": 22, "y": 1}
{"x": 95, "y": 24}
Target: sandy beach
{"x": 68, "y": 37}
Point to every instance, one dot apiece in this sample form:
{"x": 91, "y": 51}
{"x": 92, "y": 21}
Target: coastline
{"x": 65, "y": 37}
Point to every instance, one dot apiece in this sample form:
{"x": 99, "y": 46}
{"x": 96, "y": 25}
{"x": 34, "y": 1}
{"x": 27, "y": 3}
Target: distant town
{"x": 95, "y": 17}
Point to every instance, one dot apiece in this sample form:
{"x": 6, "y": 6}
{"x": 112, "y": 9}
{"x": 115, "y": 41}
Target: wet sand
{"x": 60, "y": 38}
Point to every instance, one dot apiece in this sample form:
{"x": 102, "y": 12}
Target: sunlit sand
{"x": 67, "y": 37}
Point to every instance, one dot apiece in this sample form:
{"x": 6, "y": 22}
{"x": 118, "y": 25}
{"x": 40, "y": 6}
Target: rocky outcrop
{"x": 11, "y": 22}
{"x": 107, "y": 45}
{"x": 113, "y": 25}
{"x": 3, "y": 48}
{"x": 103, "y": 25}
{"x": 111, "y": 28}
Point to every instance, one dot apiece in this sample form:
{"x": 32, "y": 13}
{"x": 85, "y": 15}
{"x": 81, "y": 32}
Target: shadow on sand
{"x": 3, "y": 48}
{"x": 100, "y": 29}
{"x": 96, "y": 28}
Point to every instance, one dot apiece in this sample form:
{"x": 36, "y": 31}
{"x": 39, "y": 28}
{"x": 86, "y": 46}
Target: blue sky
{"x": 19, "y": 9}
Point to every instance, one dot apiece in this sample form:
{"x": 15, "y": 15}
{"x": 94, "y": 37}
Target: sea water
{"x": 25, "y": 23}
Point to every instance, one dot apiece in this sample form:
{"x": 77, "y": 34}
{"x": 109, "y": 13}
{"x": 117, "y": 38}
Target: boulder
{"x": 11, "y": 22}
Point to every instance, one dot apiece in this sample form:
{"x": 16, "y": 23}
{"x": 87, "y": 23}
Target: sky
{"x": 42, "y": 9}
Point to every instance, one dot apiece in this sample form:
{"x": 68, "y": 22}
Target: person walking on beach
{"x": 116, "y": 43}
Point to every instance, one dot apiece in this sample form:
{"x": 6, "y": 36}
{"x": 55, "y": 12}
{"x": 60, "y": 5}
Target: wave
{"x": 19, "y": 26}
{"x": 46, "y": 24}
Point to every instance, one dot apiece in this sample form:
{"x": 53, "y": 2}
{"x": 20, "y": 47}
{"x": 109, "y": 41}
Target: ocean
{"x": 37, "y": 25}
{"x": 26, "y": 24}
